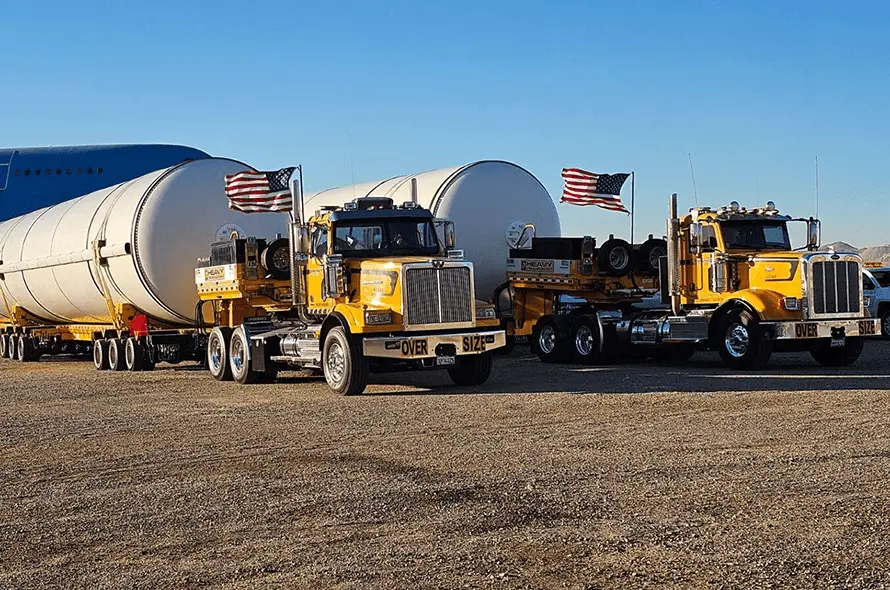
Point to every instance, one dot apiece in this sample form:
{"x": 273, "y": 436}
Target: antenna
{"x": 692, "y": 173}
{"x": 816, "y": 171}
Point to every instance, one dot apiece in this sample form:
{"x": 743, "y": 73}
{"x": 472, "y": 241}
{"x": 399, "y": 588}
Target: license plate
{"x": 445, "y": 360}
{"x": 838, "y": 342}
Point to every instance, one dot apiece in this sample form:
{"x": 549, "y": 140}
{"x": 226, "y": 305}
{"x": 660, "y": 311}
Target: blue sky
{"x": 366, "y": 90}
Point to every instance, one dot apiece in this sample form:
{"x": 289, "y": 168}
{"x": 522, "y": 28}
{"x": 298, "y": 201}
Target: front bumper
{"x": 823, "y": 329}
{"x": 432, "y": 346}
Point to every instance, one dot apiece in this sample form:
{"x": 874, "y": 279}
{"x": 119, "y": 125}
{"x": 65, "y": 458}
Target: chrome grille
{"x": 836, "y": 287}
{"x": 438, "y": 295}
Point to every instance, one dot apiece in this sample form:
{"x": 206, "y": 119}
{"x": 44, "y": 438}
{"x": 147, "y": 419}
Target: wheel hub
{"x": 618, "y": 258}
{"x": 237, "y": 354}
{"x": 737, "y": 340}
{"x": 215, "y": 354}
{"x": 547, "y": 339}
{"x": 584, "y": 341}
{"x": 335, "y": 363}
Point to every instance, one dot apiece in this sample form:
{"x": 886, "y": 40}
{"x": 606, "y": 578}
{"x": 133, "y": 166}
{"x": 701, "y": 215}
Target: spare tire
{"x": 615, "y": 257}
{"x": 275, "y": 258}
{"x": 649, "y": 255}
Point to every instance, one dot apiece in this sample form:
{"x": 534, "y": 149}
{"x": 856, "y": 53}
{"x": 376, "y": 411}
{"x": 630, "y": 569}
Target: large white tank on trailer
{"x": 150, "y": 230}
{"x": 489, "y": 201}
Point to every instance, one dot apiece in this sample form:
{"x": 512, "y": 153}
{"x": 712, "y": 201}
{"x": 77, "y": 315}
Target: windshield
{"x": 882, "y": 277}
{"x": 755, "y": 235}
{"x": 386, "y": 238}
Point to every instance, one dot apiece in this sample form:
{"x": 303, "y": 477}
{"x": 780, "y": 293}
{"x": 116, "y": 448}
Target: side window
{"x": 868, "y": 284}
{"x": 706, "y": 234}
{"x": 319, "y": 241}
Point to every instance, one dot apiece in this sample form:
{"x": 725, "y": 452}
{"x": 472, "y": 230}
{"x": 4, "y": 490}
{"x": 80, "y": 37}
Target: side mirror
{"x": 814, "y": 229}
{"x": 695, "y": 238}
{"x": 448, "y": 228}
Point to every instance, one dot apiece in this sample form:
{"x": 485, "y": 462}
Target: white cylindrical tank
{"x": 489, "y": 201}
{"x": 150, "y": 230}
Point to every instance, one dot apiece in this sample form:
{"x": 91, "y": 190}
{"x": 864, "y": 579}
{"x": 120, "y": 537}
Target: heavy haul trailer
{"x": 112, "y": 273}
{"x": 561, "y": 289}
{"x": 371, "y": 289}
{"x": 730, "y": 282}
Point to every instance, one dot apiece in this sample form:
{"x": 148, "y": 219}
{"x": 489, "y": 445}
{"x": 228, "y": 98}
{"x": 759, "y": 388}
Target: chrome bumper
{"x": 824, "y": 329}
{"x": 418, "y": 347}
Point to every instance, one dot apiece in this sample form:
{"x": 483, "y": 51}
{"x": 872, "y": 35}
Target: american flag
{"x": 586, "y": 188}
{"x": 251, "y": 191}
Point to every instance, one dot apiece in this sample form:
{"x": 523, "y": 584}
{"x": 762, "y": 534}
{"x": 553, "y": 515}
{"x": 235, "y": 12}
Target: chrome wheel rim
{"x": 885, "y": 325}
{"x": 335, "y": 363}
{"x": 215, "y": 354}
{"x": 737, "y": 340}
{"x": 237, "y": 354}
{"x": 618, "y": 258}
{"x": 655, "y": 256}
{"x": 547, "y": 339}
{"x": 584, "y": 340}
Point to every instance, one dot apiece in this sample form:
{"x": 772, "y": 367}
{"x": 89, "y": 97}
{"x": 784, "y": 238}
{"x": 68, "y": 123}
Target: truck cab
{"x": 368, "y": 287}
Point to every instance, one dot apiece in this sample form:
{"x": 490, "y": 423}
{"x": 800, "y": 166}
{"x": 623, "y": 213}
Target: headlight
{"x": 791, "y": 303}
{"x": 486, "y": 313}
{"x": 376, "y": 318}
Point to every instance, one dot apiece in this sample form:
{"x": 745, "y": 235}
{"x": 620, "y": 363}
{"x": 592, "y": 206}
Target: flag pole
{"x": 632, "y": 204}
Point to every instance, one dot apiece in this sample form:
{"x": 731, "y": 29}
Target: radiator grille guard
{"x": 835, "y": 287}
{"x": 439, "y": 297}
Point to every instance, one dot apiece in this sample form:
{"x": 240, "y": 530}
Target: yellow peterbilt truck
{"x": 370, "y": 289}
{"x": 730, "y": 281}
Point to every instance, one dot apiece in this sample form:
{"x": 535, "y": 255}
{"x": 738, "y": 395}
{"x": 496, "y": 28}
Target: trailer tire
{"x": 13, "y": 347}
{"x": 843, "y": 356}
{"x": 649, "y": 256}
{"x": 26, "y": 350}
{"x": 239, "y": 358}
{"x": 218, "y": 353}
{"x": 100, "y": 355}
{"x": 134, "y": 355}
{"x": 740, "y": 341}
{"x": 615, "y": 257}
{"x": 550, "y": 339}
{"x": 585, "y": 340}
{"x": 345, "y": 366}
{"x": 116, "y": 354}
{"x": 471, "y": 369}
{"x": 4, "y": 343}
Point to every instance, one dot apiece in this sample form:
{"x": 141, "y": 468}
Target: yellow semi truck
{"x": 371, "y": 289}
{"x": 729, "y": 281}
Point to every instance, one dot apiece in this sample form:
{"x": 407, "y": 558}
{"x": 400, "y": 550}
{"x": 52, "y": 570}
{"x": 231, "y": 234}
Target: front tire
{"x": 471, "y": 369}
{"x": 740, "y": 342}
{"x": 345, "y": 366}
{"x": 218, "y": 353}
{"x": 885, "y": 325}
{"x": 842, "y": 356}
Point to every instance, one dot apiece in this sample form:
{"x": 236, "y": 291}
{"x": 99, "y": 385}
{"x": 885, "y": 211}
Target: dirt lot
{"x": 549, "y": 477}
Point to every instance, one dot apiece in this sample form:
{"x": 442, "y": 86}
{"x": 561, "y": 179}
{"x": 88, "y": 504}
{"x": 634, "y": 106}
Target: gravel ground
{"x": 641, "y": 475}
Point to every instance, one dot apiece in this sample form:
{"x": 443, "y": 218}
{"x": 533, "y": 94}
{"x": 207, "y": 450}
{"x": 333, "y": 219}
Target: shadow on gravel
{"x": 522, "y": 373}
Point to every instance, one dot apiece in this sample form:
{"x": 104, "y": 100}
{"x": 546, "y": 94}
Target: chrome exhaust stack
{"x": 673, "y": 271}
